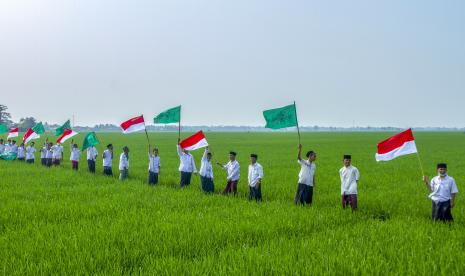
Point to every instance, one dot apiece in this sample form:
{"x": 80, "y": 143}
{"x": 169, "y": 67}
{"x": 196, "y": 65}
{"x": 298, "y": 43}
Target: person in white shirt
{"x": 2, "y": 146}
{"x": 14, "y": 147}
{"x": 234, "y": 173}
{"x": 186, "y": 165}
{"x": 154, "y": 166}
{"x": 107, "y": 157}
{"x": 57, "y": 154}
{"x": 21, "y": 152}
{"x": 304, "y": 194}
{"x": 255, "y": 178}
{"x": 49, "y": 155}
{"x": 206, "y": 172}
{"x": 124, "y": 164}
{"x": 30, "y": 153}
{"x": 43, "y": 153}
{"x": 349, "y": 179}
{"x": 74, "y": 157}
{"x": 443, "y": 191}
{"x": 91, "y": 158}
{"x": 7, "y": 148}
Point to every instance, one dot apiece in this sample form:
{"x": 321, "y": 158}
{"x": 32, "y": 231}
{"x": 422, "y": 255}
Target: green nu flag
{"x": 280, "y": 117}
{"x": 59, "y": 131}
{"x": 90, "y": 140}
{"x": 8, "y": 156}
{"x": 39, "y": 128}
{"x": 172, "y": 115}
{"x": 3, "y": 129}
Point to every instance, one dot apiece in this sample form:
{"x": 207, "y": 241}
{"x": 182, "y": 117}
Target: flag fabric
{"x": 67, "y": 133}
{"x": 281, "y": 117}
{"x": 89, "y": 141}
{"x": 194, "y": 142}
{"x": 13, "y": 132}
{"x": 397, "y": 145}
{"x": 3, "y": 129}
{"x": 133, "y": 125}
{"x": 8, "y": 156}
{"x": 172, "y": 115}
{"x": 33, "y": 133}
{"x": 59, "y": 131}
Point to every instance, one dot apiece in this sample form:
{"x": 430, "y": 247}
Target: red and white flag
{"x": 30, "y": 135}
{"x": 14, "y": 132}
{"x": 398, "y": 145}
{"x": 133, "y": 125}
{"x": 194, "y": 142}
{"x": 68, "y": 133}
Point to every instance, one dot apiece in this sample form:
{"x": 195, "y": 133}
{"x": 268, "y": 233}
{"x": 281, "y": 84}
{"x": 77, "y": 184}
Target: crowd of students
{"x": 442, "y": 187}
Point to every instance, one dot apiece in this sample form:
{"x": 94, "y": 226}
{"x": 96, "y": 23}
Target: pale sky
{"x": 379, "y": 63}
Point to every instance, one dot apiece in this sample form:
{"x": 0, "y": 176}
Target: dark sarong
{"x": 185, "y": 178}
{"x": 91, "y": 165}
{"x": 304, "y": 194}
{"x": 255, "y": 193}
{"x": 153, "y": 178}
{"x": 56, "y": 162}
{"x": 21, "y": 159}
{"x": 207, "y": 184}
{"x": 349, "y": 200}
{"x": 442, "y": 211}
{"x": 49, "y": 162}
{"x": 30, "y": 161}
{"x": 43, "y": 161}
{"x": 75, "y": 165}
{"x": 231, "y": 187}
{"x": 107, "y": 171}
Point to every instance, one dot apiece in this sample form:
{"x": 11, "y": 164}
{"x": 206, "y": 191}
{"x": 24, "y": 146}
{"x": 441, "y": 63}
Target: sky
{"x": 345, "y": 63}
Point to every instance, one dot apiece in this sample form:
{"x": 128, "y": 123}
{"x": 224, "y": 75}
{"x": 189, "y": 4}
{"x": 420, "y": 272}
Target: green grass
{"x": 56, "y": 221}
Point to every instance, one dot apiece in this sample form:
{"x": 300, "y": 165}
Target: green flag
{"x": 90, "y": 140}
{"x": 39, "y": 128}
{"x": 3, "y": 129}
{"x": 172, "y": 115}
{"x": 8, "y": 156}
{"x": 281, "y": 117}
{"x": 59, "y": 131}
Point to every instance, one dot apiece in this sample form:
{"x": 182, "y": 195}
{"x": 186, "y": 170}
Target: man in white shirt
{"x": 14, "y": 147}
{"x": 349, "y": 179}
{"x": 21, "y": 152}
{"x": 7, "y": 148}
{"x": 43, "y": 153}
{"x": 154, "y": 166}
{"x": 30, "y": 153}
{"x": 443, "y": 191}
{"x": 304, "y": 194}
{"x": 255, "y": 178}
{"x": 107, "y": 157}
{"x": 74, "y": 157}
{"x": 91, "y": 158}
{"x": 49, "y": 155}
{"x": 57, "y": 154}
{"x": 206, "y": 172}
{"x": 124, "y": 164}
{"x": 2, "y": 146}
{"x": 186, "y": 166}
{"x": 234, "y": 173}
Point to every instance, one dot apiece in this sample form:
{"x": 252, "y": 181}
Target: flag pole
{"x": 146, "y": 134}
{"x": 179, "y": 123}
{"x": 297, "y": 121}
{"x": 421, "y": 164}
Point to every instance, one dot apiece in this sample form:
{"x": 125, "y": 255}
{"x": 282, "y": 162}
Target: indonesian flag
{"x": 30, "y": 135}
{"x": 14, "y": 132}
{"x": 194, "y": 142}
{"x": 398, "y": 145}
{"x": 133, "y": 125}
{"x": 67, "y": 133}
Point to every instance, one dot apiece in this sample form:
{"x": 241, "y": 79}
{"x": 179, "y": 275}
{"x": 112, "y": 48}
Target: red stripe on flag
{"x": 133, "y": 121}
{"x": 192, "y": 140}
{"x": 27, "y": 134}
{"x": 395, "y": 141}
{"x": 14, "y": 130}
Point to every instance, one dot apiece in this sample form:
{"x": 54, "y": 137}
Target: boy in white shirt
{"x": 57, "y": 154}
{"x": 124, "y": 164}
{"x": 107, "y": 157}
{"x": 304, "y": 194}
{"x": 21, "y": 152}
{"x": 14, "y": 147}
{"x": 154, "y": 166}
{"x": 349, "y": 179}
{"x": 234, "y": 173}
{"x": 49, "y": 155}
{"x": 206, "y": 172}
{"x": 30, "y": 153}
{"x": 91, "y": 158}
{"x": 43, "y": 154}
{"x": 255, "y": 179}
{"x": 186, "y": 165}
{"x": 74, "y": 157}
{"x": 443, "y": 191}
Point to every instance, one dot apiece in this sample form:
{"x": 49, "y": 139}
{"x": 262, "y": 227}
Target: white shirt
{"x": 49, "y": 153}
{"x": 2, "y": 148}
{"x": 7, "y": 148}
{"x": 57, "y": 151}
{"x": 154, "y": 163}
{"x": 234, "y": 170}
{"x": 14, "y": 148}
{"x": 349, "y": 178}
{"x": 91, "y": 153}
{"x": 442, "y": 188}
{"x": 206, "y": 169}
{"x": 307, "y": 172}
{"x": 43, "y": 152}
{"x": 255, "y": 174}
{"x": 123, "y": 162}
{"x": 30, "y": 153}
{"x": 20, "y": 152}
{"x": 107, "y": 158}
{"x": 75, "y": 153}
{"x": 187, "y": 163}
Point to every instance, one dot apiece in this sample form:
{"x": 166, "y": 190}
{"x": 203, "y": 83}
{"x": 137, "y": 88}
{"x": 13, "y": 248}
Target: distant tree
{"x": 26, "y": 123}
{"x": 5, "y": 117}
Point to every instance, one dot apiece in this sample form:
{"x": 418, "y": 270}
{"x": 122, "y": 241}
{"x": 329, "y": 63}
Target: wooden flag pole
{"x": 179, "y": 123}
{"x": 421, "y": 164}
{"x": 297, "y": 121}
{"x": 146, "y": 134}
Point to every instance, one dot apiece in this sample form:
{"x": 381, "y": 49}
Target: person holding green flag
{"x": 90, "y": 141}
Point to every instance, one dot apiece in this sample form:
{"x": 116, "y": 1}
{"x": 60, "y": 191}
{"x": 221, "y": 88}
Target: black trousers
{"x": 107, "y": 171}
{"x": 255, "y": 193}
{"x": 304, "y": 194}
{"x": 442, "y": 211}
{"x": 207, "y": 184}
{"x": 153, "y": 178}
{"x": 30, "y": 161}
{"x": 91, "y": 165}
{"x": 185, "y": 178}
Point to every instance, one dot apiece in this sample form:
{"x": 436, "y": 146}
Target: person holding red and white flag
{"x": 187, "y": 163}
